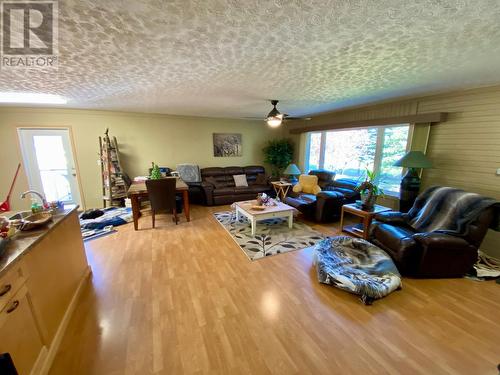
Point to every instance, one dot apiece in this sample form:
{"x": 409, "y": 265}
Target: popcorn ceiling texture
{"x": 226, "y": 57}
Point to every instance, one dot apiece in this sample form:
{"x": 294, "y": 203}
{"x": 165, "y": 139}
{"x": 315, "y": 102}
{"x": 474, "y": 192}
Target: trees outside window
{"x": 350, "y": 152}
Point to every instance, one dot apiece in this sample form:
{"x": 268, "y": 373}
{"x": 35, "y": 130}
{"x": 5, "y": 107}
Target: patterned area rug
{"x": 272, "y": 236}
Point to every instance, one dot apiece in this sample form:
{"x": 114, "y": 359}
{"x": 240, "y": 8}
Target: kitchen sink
{"x": 21, "y": 215}
{"x": 35, "y": 221}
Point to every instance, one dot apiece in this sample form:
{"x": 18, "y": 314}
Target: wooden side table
{"x": 281, "y": 188}
{"x": 366, "y": 219}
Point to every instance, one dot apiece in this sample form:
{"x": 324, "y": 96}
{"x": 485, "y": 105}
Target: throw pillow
{"x": 307, "y": 184}
{"x": 240, "y": 180}
{"x": 261, "y": 179}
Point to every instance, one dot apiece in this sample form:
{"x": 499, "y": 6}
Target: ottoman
{"x": 356, "y": 266}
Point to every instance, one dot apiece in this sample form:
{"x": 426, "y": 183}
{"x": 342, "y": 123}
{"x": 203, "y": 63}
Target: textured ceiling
{"x": 224, "y": 58}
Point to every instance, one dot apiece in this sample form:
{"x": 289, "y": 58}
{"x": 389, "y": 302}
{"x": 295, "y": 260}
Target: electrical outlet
{"x": 498, "y": 172}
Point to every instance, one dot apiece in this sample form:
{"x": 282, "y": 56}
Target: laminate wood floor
{"x": 186, "y": 300}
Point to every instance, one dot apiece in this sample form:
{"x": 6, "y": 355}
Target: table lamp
{"x": 410, "y": 184}
{"x": 292, "y": 171}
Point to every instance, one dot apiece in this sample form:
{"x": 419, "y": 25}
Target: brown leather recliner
{"x": 219, "y": 187}
{"x": 327, "y": 204}
{"x": 432, "y": 254}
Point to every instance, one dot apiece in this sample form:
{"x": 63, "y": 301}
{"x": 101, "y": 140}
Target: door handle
{"x": 5, "y": 289}
{"x": 14, "y": 306}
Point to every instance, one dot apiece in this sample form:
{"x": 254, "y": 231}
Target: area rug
{"x": 104, "y": 224}
{"x": 272, "y": 236}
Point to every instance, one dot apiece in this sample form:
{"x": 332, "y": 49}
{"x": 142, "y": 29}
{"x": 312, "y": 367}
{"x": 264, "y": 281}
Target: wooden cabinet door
{"x": 55, "y": 266}
{"x": 19, "y": 335}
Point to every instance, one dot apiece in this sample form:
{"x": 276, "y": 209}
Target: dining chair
{"x": 162, "y": 197}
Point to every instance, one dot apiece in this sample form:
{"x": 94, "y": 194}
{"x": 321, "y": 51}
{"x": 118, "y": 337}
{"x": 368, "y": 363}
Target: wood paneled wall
{"x": 465, "y": 150}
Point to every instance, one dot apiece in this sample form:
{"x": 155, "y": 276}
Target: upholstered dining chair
{"x": 162, "y": 197}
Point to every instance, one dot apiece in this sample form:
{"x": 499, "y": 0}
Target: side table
{"x": 366, "y": 216}
{"x": 281, "y": 188}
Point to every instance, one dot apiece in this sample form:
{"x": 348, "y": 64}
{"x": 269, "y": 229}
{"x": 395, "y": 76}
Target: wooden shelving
{"x": 114, "y": 184}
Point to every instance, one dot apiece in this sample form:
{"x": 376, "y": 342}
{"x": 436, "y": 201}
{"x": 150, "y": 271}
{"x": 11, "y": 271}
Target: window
{"x": 314, "y": 150}
{"x": 350, "y": 152}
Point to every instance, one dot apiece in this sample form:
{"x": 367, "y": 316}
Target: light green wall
{"x": 142, "y": 138}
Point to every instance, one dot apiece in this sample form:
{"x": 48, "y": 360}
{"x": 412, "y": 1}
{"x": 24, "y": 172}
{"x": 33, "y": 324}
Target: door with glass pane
{"x": 50, "y": 164}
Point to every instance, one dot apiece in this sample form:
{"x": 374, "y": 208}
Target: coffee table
{"x": 280, "y": 210}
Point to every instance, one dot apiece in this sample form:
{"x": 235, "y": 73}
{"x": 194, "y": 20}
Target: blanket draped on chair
{"x": 448, "y": 210}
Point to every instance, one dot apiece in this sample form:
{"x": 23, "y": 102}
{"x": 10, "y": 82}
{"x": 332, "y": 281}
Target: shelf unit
{"x": 114, "y": 186}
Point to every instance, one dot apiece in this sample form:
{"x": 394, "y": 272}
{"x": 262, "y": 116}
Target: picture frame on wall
{"x": 227, "y": 144}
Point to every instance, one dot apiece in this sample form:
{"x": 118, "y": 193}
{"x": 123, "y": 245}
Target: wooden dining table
{"x": 138, "y": 192}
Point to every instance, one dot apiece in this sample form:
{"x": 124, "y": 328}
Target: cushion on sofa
{"x": 212, "y": 180}
{"x": 240, "y": 180}
{"x": 307, "y": 184}
{"x": 261, "y": 179}
{"x": 253, "y": 189}
{"x": 325, "y": 178}
{"x": 228, "y": 190}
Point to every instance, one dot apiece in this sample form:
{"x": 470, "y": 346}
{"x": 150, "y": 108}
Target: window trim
{"x": 377, "y": 161}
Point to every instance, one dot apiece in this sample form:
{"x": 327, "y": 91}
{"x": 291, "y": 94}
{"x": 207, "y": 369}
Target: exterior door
{"x": 49, "y": 163}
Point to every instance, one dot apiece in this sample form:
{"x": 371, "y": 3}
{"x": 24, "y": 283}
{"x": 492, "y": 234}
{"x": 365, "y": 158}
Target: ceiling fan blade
{"x": 297, "y": 118}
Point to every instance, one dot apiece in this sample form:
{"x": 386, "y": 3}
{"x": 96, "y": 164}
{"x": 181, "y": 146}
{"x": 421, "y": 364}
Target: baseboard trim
{"x": 56, "y": 342}
{"x": 40, "y": 362}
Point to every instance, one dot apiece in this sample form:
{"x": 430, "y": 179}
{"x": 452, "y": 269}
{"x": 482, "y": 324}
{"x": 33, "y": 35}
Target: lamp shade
{"x": 292, "y": 170}
{"x": 414, "y": 159}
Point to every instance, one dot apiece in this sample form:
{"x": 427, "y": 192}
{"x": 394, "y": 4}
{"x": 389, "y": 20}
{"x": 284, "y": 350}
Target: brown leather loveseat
{"x": 219, "y": 186}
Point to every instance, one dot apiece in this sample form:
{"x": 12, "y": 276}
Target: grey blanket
{"x": 447, "y": 210}
{"x": 357, "y": 266}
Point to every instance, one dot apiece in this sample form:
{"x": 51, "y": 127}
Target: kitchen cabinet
{"x": 19, "y": 334}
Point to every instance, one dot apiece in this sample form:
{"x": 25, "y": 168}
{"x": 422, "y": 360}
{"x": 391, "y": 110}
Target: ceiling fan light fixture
{"x": 274, "y": 121}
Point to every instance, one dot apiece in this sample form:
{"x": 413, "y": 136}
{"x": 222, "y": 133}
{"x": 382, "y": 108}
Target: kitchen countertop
{"x": 24, "y": 241}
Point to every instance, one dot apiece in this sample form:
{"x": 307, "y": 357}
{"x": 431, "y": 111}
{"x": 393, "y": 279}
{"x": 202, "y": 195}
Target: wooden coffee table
{"x": 280, "y": 210}
{"x": 366, "y": 219}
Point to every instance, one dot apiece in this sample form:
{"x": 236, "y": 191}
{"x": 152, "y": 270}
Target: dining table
{"x": 138, "y": 192}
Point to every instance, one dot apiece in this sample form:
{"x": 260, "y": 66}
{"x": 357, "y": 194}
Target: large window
{"x": 350, "y": 152}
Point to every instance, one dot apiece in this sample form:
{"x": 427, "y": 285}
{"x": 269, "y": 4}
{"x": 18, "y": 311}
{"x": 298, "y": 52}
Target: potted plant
{"x": 278, "y": 153}
{"x": 369, "y": 190}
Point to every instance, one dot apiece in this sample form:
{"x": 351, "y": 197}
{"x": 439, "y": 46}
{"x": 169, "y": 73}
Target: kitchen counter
{"x": 23, "y": 241}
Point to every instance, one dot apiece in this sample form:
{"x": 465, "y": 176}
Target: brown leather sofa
{"x": 219, "y": 187}
{"x": 433, "y": 255}
{"x": 327, "y": 204}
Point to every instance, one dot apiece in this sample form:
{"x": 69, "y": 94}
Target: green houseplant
{"x": 278, "y": 153}
{"x": 369, "y": 189}
{"x": 155, "y": 172}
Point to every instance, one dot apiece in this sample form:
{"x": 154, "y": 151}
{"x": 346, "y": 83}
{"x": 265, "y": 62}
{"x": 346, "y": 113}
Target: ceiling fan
{"x": 275, "y": 117}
